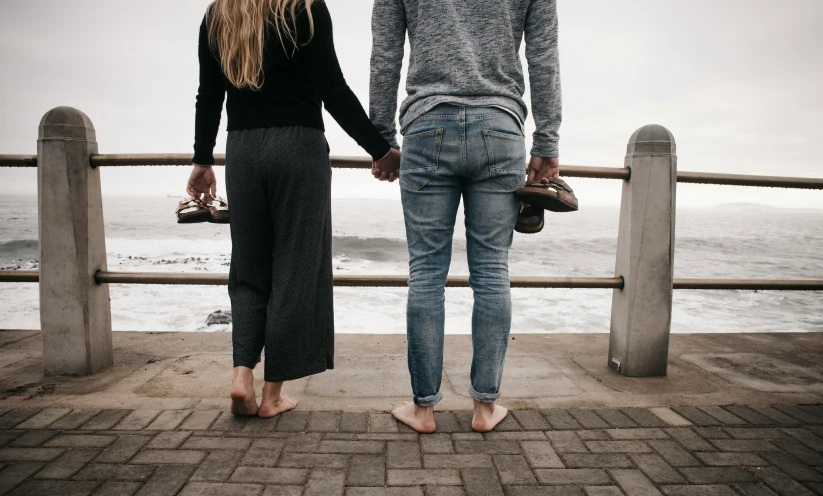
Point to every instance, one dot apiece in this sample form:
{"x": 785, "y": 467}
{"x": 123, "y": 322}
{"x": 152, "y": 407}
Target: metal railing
{"x": 642, "y": 285}
{"x": 342, "y": 281}
{"x": 621, "y": 173}
{"x": 518, "y": 282}
{"x": 179, "y": 159}
{"x": 18, "y": 160}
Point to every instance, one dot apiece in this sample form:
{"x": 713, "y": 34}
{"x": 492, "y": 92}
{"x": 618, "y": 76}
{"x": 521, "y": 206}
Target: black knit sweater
{"x": 298, "y": 81}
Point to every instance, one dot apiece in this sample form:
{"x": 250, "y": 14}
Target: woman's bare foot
{"x": 487, "y": 416}
{"x": 243, "y": 401}
{"x": 419, "y": 418}
{"x": 274, "y": 402}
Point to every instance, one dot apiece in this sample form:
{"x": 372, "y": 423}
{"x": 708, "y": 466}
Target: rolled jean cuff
{"x": 429, "y": 400}
{"x": 483, "y": 397}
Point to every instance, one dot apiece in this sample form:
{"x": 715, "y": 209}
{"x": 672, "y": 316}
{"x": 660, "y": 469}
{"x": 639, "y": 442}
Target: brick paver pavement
{"x": 730, "y": 450}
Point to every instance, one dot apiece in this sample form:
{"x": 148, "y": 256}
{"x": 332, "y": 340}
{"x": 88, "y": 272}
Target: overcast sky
{"x": 738, "y": 82}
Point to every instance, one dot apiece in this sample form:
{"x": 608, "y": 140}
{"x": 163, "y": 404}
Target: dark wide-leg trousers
{"x": 278, "y": 182}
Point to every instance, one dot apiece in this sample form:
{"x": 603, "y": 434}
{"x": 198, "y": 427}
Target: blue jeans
{"x": 478, "y": 153}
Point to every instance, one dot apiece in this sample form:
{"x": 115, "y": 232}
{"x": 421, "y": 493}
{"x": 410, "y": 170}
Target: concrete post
{"x": 642, "y": 310}
{"x": 75, "y": 313}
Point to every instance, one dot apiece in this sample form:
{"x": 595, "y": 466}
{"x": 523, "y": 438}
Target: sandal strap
{"x": 189, "y": 202}
{"x": 556, "y": 183}
{"x": 560, "y": 184}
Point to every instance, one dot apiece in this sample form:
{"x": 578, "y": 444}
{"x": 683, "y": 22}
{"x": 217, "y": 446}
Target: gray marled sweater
{"x": 466, "y": 52}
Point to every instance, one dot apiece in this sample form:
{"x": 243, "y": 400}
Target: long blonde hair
{"x": 237, "y": 28}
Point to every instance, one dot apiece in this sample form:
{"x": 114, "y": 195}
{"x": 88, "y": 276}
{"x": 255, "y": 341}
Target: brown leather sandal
{"x": 191, "y": 210}
{"x": 556, "y": 196}
{"x": 219, "y": 211}
{"x": 530, "y": 219}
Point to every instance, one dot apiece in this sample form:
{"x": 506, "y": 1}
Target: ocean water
{"x": 369, "y": 238}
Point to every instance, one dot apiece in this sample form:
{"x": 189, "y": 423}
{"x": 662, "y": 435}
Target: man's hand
{"x": 388, "y": 167}
{"x": 202, "y": 182}
{"x": 542, "y": 169}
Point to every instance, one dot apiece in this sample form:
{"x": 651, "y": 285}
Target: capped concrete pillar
{"x": 642, "y": 310}
{"x": 75, "y": 314}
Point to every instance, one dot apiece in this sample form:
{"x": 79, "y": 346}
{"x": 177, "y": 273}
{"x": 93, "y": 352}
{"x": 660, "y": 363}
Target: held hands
{"x": 202, "y": 183}
{"x": 542, "y": 169}
{"x": 388, "y": 167}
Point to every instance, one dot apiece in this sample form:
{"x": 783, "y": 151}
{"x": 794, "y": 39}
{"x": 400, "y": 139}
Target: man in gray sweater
{"x": 462, "y": 124}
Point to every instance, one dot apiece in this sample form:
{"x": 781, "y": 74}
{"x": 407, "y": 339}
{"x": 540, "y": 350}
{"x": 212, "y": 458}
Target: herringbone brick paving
{"x": 713, "y": 450}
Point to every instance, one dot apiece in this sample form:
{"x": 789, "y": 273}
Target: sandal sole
{"x": 529, "y": 229}
{"x": 194, "y": 218}
{"x": 219, "y": 218}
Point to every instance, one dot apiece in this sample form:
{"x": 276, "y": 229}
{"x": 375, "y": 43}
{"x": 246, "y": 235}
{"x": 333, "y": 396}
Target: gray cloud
{"x": 737, "y": 81}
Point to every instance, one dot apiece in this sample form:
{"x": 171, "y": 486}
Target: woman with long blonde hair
{"x": 275, "y": 64}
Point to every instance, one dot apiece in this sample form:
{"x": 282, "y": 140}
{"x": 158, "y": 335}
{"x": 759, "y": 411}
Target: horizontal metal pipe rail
{"x": 399, "y": 281}
{"x": 746, "y": 180}
{"x": 339, "y": 281}
{"x": 19, "y": 276}
{"x": 151, "y": 160}
{"x": 18, "y": 160}
{"x": 750, "y": 284}
{"x": 134, "y": 160}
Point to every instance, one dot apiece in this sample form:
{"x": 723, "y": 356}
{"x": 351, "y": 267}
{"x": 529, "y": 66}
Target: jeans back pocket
{"x": 507, "y": 158}
{"x": 421, "y": 152}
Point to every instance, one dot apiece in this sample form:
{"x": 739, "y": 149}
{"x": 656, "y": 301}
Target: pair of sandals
{"x": 535, "y": 199}
{"x": 191, "y": 210}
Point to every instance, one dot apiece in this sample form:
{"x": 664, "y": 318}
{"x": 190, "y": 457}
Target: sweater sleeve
{"x": 388, "y": 44}
{"x": 210, "y": 97}
{"x": 544, "y": 75}
{"x": 320, "y": 61}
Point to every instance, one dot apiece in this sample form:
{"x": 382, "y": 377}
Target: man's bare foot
{"x": 243, "y": 401}
{"x": 487, "y": 416}
{"x": 274, "y": 402}
{"x": 419, "y": 418}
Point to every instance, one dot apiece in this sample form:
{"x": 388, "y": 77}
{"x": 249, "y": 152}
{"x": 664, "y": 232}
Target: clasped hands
{"x": 388, "y": 167}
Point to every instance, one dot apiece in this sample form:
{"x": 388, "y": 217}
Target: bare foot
{"x": 487, "y": 416}
{"x": 419, "y": 418}
{"x": 274, "y": 402}
{"x": 243, "y": 401}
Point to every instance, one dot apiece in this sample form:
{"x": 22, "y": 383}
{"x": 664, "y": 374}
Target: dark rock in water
{"x": 219, "y": 318}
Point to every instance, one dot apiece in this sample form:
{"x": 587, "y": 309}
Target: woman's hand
{"x": 388, "y": 167}
{"x": 202, "y": 183}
